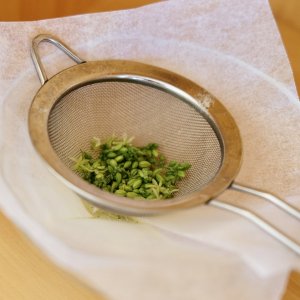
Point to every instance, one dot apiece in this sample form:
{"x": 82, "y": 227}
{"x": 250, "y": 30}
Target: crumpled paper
{"x": 232, "y": 49}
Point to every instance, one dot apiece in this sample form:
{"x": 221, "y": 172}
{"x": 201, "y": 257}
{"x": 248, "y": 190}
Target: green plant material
{"x": 98, "y": 213}
{"x": 144, "y": 164}
{"x": 128, "y": 171}
{"x": 95, "y": 143}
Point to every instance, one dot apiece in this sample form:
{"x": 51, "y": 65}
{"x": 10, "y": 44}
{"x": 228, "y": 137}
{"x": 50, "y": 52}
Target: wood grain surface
{"x": 26, "y": 273}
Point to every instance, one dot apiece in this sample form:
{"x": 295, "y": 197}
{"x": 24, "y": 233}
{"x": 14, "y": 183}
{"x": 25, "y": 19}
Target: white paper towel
{"x": 232, "y": 49}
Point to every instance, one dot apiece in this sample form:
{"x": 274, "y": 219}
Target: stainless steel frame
{"x": 85, "y": 72}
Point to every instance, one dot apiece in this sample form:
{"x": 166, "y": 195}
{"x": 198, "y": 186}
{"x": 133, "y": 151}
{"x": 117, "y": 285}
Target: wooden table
{"x": 26, "y": 274}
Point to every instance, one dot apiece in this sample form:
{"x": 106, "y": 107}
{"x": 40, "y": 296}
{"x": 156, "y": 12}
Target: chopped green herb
{"x": 128, "y": 171}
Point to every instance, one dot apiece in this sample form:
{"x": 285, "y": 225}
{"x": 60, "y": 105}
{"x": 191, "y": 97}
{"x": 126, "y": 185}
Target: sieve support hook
{"x": 281, "y": 204}
{"x": 36, "y": 57}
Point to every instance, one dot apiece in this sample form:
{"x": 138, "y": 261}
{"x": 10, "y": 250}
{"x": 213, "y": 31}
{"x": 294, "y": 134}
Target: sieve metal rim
{"x": 88, "y": 72}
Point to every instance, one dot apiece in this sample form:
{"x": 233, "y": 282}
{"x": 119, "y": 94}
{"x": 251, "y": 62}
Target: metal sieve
{"x": 102, "y": 98}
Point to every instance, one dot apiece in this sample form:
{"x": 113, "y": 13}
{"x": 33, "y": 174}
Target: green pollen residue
{"x": 99, "y": 213}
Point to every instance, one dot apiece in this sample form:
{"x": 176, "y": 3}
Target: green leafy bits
{"x": 119, "y": 167}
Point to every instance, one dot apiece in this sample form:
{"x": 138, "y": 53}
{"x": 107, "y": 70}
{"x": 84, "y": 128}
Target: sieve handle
{"x": 267, "y": 196}
{"x": 264, "y": 225}
{"x": 37, "y": 60}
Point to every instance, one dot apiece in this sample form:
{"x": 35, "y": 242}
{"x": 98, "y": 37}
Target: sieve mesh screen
{"x": 149, "y": 114}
